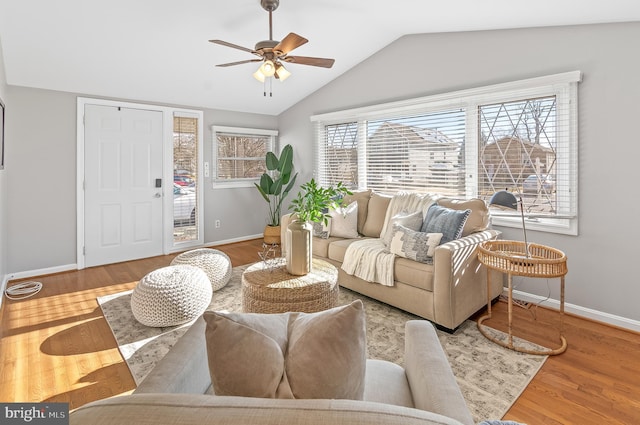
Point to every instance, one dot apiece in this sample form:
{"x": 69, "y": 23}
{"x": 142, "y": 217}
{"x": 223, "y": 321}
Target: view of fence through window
{"x": 185, "y": 172}
{"x": 518, "y": 150}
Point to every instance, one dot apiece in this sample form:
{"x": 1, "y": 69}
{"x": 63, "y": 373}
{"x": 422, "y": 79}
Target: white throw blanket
{"x": 370, "y": 259}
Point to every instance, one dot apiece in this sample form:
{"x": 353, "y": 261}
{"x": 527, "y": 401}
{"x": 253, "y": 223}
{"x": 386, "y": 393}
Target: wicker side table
{"x": 509, "y": 257}
{"x": 273, "y": 290}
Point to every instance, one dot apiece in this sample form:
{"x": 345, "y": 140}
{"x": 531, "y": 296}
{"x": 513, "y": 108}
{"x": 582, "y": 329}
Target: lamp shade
{"x": 282, "y": 73}
{"x": 268, "y": 68}
{"x": 504, "y": 199}
{"x": 258, "y": 75}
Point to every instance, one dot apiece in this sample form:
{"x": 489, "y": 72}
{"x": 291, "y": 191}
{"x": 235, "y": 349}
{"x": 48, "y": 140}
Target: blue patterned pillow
{"x": 446, "y": 221}
{"x": 416, "y": 246}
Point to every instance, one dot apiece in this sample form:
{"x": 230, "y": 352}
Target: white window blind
{"x": 420, "y": 153}
{"x": 239, "y": 155}
{"x": 520, "y": 136}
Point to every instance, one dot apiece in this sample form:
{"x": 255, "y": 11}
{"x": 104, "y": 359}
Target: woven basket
{"x": 511, "y": 257}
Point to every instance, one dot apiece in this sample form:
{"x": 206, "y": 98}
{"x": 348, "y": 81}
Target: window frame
{"x": 563, "y": 86}
{"x": 238, "y": 183}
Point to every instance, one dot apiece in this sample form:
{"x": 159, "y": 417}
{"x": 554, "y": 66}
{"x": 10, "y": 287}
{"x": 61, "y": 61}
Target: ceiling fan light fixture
{"x": 268, "y": 68}
{"x": 282, "y": 73}
{"x": 258, "y": 75}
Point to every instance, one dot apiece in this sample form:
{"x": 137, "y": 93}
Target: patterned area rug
{"x": 491, "y": 377}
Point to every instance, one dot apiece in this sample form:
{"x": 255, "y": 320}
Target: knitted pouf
{"x": 171, "y": 296}
{"x": 216, "y": 264}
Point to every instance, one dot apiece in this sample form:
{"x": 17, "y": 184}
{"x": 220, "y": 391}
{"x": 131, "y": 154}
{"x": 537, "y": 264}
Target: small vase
{"x": 298, "y": 242}
{"x": 272, "y": 235}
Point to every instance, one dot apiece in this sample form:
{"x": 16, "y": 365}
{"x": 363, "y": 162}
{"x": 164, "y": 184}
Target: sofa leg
{"x": 445, "y": 329}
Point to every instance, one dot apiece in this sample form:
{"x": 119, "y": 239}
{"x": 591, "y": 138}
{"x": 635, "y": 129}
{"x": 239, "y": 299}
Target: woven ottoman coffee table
{"x": 273, "y": 290}
{"x": 216, "y": 264}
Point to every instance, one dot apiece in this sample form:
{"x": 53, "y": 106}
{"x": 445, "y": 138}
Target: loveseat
{"x": 178, "y": 390}
{"x": 447, "y": 289}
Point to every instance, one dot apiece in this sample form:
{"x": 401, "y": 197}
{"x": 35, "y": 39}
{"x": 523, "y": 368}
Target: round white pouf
{"x": 216, "y": 264}
{"x": 171, "y": 296}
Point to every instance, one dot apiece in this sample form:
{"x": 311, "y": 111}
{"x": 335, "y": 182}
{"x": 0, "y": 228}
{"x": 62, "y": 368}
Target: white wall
{"x": 41, "y": 209}
{"x": 601, "y": 260}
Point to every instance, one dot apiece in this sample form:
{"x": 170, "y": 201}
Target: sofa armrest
{"x": 184, "y": 369}
{"x": 460, "y": 280}
{"x": 433, "y": 385}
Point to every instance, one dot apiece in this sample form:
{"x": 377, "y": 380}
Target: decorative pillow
{"x": 416, "y": 246}
{"x": 478, "y": 219}
{"x": 447, "y": 221}
{"x": 344, "y": 221}
{"x": 376, "y": 213}
{"x": 411, "y": 221}
{"x": 362, "y": 197}
{"x": 321, "y": 230}
{"x": 288, "y": 355}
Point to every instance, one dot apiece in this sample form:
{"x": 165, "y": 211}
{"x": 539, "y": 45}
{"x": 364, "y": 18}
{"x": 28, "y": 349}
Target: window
{"x": 519, "y": 136}
{"x": 239, "y": 155}
{"x": 185, "y": 177}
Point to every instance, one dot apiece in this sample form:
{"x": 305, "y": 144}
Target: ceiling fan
{"x": 273, "y": 52}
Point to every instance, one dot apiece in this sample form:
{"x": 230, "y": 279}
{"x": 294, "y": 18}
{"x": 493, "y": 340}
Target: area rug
{"x": 491, "y": 377}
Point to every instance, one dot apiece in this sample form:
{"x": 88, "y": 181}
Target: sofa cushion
{"x": 337, "y": 248}
{"x": 289, "y": 355}
{"x": 362, "y": 198}
{"x": 376, "y": 214}
{"x": 413, "y": 273}
{"x": 444, "y": 220}
{"x": 344, "y": 221}
{"x": 411, "y": 221}
{"x": 478, "y": 219}
{"x": 320, "y": 246}
{"x": 417, "y": 246}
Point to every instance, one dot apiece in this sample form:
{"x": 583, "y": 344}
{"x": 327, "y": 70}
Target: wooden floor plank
{"x": 57, "y": 346}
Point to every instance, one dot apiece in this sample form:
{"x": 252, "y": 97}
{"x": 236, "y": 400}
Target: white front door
{"x": 122, "y": 182}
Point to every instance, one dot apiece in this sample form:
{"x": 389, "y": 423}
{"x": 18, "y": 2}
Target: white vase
{"x": 299, "y": 252}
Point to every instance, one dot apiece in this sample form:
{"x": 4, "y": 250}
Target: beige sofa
{"x": 178, "y": 391}
{"x": 446, "y": 292}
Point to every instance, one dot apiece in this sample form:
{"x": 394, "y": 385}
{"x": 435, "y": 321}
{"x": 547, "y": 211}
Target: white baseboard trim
{"x": 42, "y": 272}
{"x": 611, "y": 319}
{"x": 234, "y": 240}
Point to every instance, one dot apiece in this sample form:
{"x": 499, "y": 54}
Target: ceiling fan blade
{"x": 239, "y": 63}
{"x": 235, "y": 46}
{"x": 305, "y": 60}
{"x": 290, "y": 42}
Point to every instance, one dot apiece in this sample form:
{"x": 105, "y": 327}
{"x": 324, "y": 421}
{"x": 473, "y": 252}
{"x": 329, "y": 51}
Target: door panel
{"x": 123, "y": 208}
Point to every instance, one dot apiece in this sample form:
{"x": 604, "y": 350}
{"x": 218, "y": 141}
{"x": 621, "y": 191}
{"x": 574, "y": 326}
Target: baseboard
{"x": 610, "y": 319}
{"x": 41, "y": 272}
{"x": 234, "y": 240}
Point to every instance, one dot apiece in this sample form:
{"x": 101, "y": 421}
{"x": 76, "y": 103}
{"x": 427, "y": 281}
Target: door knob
{"x": 157, "y": 195}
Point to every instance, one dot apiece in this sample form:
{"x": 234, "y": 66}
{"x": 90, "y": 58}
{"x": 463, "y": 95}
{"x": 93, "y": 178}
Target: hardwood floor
{"x": 58, "y": 347}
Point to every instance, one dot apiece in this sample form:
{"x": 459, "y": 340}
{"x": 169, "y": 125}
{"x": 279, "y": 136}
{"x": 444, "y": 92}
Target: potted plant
{"x": 311, "y": 205}
{"x": 275, "y": 185}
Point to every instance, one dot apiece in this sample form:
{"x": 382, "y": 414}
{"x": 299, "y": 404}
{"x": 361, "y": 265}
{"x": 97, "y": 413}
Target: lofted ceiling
{"x": 158, "y": 50}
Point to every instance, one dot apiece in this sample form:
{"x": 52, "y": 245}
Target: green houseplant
{"x": 313, "y": 201}
{"x": 275, "y": 185}
{"x": 311, "y": 205}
